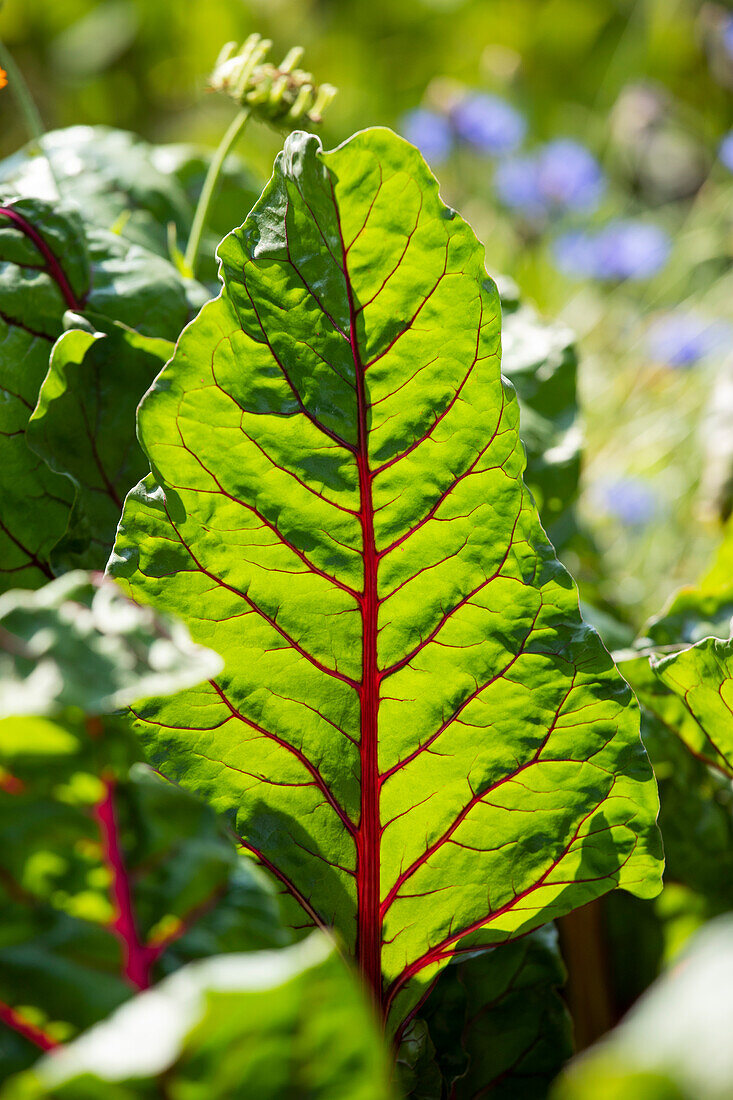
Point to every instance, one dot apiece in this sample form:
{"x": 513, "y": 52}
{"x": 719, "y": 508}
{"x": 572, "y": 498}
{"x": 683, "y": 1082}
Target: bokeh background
{"x": 586, "y": 141}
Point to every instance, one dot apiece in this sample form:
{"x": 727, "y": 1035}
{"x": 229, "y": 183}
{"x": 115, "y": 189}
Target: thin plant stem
{"x": 209, "y": 189}
{"x": 26, "y": 105}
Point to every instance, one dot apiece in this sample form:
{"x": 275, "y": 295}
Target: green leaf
{"x": 83, "y": 424}
{"x": 81, "y": 643}
{"x": 109, "y": 875}
{"x": 696, "y": 816}
{"x": 50, "y": 264}
{"x": 498, "y": 1022}
{"x": 415, "y": 730}
{"x": 675, "y": 1043}
{"x": 266, "y": 1025}
{"x": 110, "y": 175}
{"x": 701, "y": 677}
{"x": 128, "y": 186}
{"x": 540, "y": 359}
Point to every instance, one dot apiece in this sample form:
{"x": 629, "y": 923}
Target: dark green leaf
{"x": 541, "y": 360}
{"x": 498, "y": 1022}
{"x": 109, "y": 875}
{"x": 271, "y": 1025}
{"x": 83, "y": 424}
{"x": 50, "y": 263}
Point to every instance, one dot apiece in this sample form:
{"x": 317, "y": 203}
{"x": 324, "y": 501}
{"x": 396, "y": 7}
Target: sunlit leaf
{"x": 415, "y": 730}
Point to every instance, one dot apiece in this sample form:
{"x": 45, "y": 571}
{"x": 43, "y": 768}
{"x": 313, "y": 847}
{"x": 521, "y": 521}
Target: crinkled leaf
{"x": 415, "y": 729}
{"x": 540, "y": 358}
{"x": 701, "y": 677}
{"x": 49, "y": 263}
{"x": 127, "y": 185}
{"x": 109, "y": 875}
{"x": 675, "y": 1043}
{"x": 266, "y": 1025}
{"x": 84, "y": 424}
{"x": 110, "y": 175}
{"x": 80, "y": 642}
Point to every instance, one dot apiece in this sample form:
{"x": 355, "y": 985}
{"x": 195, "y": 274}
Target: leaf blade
{"x": 407, "y": 577}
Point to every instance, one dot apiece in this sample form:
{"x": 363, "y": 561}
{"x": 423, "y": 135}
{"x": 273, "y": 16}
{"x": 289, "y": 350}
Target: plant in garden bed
{"x": 413, "y": 731}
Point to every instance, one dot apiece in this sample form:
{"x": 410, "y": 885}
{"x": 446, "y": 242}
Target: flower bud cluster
{"x": 283, "y": 95}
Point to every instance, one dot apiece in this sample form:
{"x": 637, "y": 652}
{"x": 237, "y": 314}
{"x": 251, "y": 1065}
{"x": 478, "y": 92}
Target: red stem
{"x": 368, "y": 837}
{"x": 137, "y": 957}
{"x": 29, "y": 1031}
{"x": 55, "y": 269}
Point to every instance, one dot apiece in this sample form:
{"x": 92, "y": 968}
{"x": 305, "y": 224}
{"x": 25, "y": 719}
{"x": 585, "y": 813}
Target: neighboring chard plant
{"x": 415, "y": 732}
{"x": 52, "y": 262}
{"x": 88, "y": 250}
{"x": 109, "y": 875}
{"x": 681, "y": 671}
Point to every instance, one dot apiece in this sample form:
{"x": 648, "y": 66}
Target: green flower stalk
{"x": 283, "y": 96}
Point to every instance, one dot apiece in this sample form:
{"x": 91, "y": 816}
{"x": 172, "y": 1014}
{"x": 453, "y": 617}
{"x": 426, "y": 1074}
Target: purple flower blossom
{"x": 627, "y": 499}
{"x": 620, "y": 250}
{"x": 563, "y": 175}
{"x": 516, "y": 184}
{"x": 681, "y": 339}
{"x": 570, "y": 175}
{"x": 489, "y": 123}
{"x": 725, "y": 151}
{"x": 430, "y": 132}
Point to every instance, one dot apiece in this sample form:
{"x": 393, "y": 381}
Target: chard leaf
{"x": 109, "y": 174}
{"x": 498, "y": 1022}
{"x": 109, "y": 875}
{"x": 414, "y": 730}
{"x": 83, "y": 424}
{"x": 266, "y": 1025}
{"x": 123, "y": 184}
{"x": 49, "y": 264}
{"x": 701, "y": 678}
{"x": 674, "y": 1044}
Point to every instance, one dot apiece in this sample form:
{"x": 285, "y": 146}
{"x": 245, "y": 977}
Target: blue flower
{"x": 563, "y": 175}
{"x": 569, "y": 175}
{"x": 621, "y": 250}
{"x": 489, "y": 123}
{"x": 725, "y": 150}
{"x": 430, "y": 132}
{"x": 516, "y": 182}
{"x": 682, "y": 338}
{"x": 628, "y": 499}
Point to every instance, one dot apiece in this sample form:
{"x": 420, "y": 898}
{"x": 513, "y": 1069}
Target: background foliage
{"x": 590, "y": 146}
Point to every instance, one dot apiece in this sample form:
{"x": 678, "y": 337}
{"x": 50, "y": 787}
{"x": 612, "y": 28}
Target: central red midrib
{"x": 369, "y": 933}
